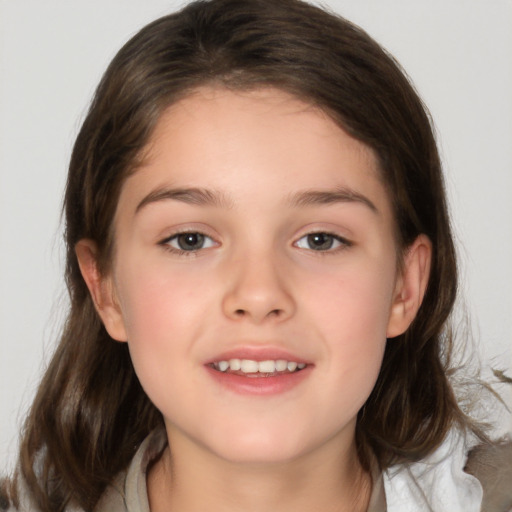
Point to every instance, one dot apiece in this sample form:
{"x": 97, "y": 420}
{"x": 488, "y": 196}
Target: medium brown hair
{"x": 90, "y": 413}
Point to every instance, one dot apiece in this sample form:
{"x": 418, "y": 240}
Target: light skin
{"x": 297, "y": 254}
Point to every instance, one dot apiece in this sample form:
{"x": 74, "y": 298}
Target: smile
{"x": 250, "y": 367}
{"x": 266, "y": 375}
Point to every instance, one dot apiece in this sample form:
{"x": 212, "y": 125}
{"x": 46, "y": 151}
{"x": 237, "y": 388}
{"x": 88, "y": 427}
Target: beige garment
{"x": 129, "y": 493}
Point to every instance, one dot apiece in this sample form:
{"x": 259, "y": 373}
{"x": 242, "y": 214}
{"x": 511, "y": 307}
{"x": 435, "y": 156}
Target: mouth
{"x": 255, "y": 369}
{"x": 259, "y": 372}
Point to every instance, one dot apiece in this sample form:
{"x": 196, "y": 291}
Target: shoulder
{"x": 5, "y": 498}
{"x": 129, "y": 491}
{"x": 437, "y": 482}
{"x": 491, "y": 464}
{"x": 15, "y": 496}
{"x": 126, "y": 493}
{"x": 457, "y": 477}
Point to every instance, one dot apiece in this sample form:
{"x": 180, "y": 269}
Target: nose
{"x": 256, "y": 290}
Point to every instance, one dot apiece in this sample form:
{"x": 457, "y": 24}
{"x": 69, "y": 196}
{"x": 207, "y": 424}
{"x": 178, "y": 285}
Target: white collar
{"x": 437, "y": 483}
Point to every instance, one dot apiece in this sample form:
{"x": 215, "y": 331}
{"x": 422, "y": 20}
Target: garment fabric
{"x": 129, "y": 493}
{"x": 437, "y": 483}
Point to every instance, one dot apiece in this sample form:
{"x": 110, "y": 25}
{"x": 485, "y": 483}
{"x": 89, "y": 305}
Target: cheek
{"x": 160, "y": 314}
{"x": 154, "y": 299}
{"x": 353, "y": 302}
{"x": 161, "y": 310}
{"x": 351, "y": 312}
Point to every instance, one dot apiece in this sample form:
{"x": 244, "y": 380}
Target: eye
{"x": 321, "y": 242}
{"x": 189, "y": 241}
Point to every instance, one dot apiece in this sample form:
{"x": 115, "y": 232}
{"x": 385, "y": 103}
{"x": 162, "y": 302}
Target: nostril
{"x": 239, "y": 312}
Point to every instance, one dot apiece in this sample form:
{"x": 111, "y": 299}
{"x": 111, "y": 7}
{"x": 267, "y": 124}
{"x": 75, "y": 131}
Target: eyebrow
{"x": 206, "y": 197}
{"x": 195, "y": 196}
{"x": 338, "y": 195}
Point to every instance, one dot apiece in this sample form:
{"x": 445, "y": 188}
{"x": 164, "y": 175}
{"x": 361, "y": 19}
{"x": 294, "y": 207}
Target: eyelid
{"x": 343, "y": 242}
{"x": 205, "y": 237}
{"x": 183, "y": 228}
{"x": 165, "y": 242}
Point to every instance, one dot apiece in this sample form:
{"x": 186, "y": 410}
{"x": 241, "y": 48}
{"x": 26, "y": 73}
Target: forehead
{"x": 264, "y": 140}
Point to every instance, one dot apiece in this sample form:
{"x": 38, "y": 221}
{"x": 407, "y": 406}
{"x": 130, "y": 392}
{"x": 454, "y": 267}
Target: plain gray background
{"x": 52, "y": 54}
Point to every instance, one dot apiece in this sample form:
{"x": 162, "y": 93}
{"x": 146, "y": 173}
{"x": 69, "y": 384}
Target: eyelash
{"x": 166, "y": 243}
{"x": 343, "y": 243}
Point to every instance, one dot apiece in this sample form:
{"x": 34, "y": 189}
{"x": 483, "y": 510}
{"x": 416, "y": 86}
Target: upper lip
{"x": 257, "y": 353}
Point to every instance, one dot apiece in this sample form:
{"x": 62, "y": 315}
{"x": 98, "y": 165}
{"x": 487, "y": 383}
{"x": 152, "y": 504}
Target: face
{"x": 255, "y": 275}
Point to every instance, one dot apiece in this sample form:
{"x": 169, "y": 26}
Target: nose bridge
{"x": 256, "y": 287}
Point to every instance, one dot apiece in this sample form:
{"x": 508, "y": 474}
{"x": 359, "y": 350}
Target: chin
{"x": 259, "y": 447}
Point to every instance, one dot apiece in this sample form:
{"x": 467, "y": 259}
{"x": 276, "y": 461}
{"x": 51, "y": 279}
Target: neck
{"x": 328, "y": 480}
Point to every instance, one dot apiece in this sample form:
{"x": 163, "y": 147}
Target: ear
{"x": 410, "y": 286}
{"x": 101, "y": 289}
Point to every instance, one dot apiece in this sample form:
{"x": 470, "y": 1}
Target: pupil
{"x": 190, "y": 241}
{"x": 320, "y": 241}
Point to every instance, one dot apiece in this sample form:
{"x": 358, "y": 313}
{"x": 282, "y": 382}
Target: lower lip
{"x": 259, "y": 385}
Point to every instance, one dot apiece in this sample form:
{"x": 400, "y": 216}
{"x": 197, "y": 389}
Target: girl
{"x": 261, "y": 268}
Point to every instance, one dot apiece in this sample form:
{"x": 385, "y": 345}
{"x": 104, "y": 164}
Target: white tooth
{"x": 249, "y": 366}
{"x": 234, "y": 364}
{"x": 292, "y": 366}
{"x": 223, "y": 365}
{"x": 281, "y": 365}
{"x": 301, "y": 365}
{"x": 267, "y": 366}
